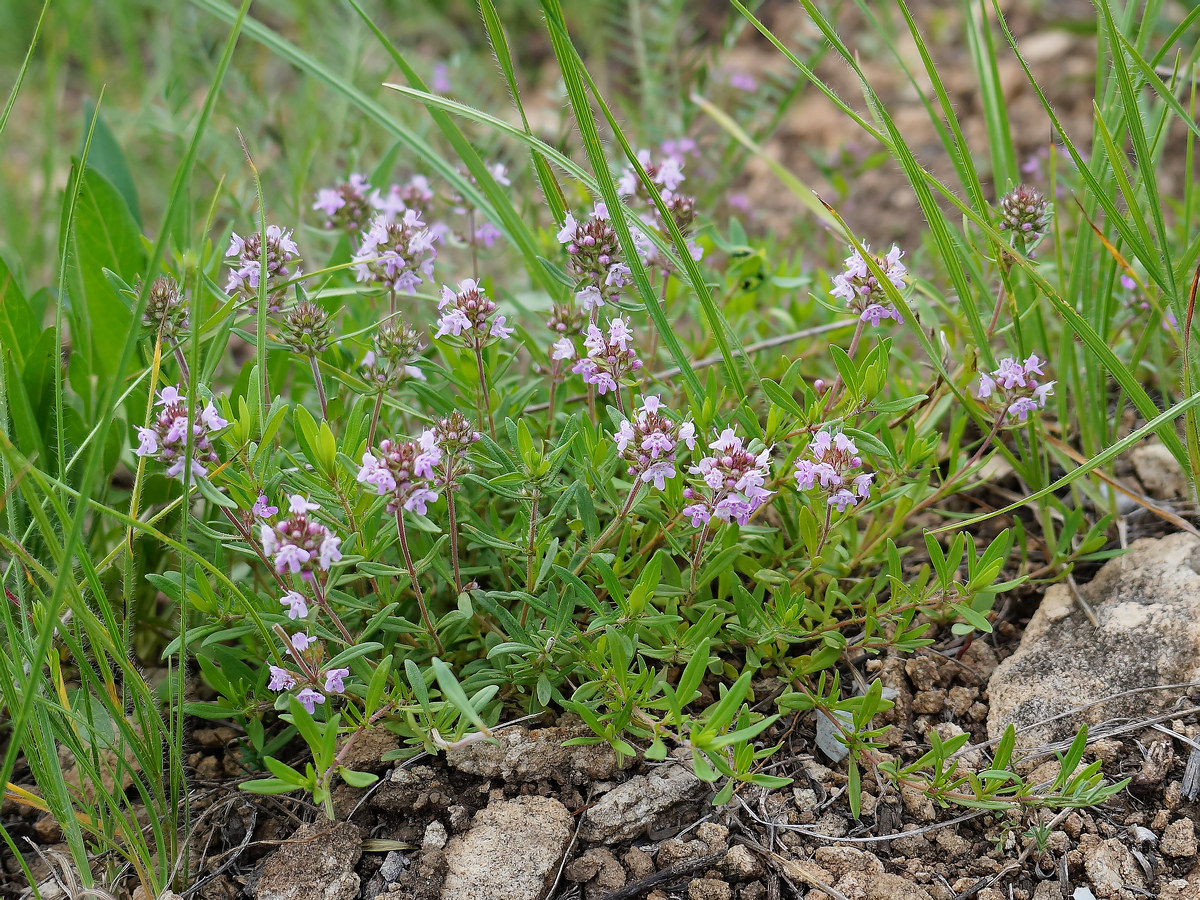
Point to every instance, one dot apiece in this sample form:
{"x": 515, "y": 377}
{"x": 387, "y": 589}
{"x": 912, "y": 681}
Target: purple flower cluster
{"x": 166, "y": 437}
{"x": 405, "y": 470}
{"x": 648, "y": 442}
{"x": 306, "y": 654}
{"x": 832, "y": 467}
{"x": 1014, "y": 387}
{"x": 732, "y": 482}
{"x": 594, "y": 257}
{"x": 349, "y": 206}
{"x": 610, "y": 358}
{"x": 396, "y": 252}
{"x": 861, "y": 290}
{"x": 467, "y": 314}
{"x": 298, "y": 543}
{"x": 667, "y": 173}
{"x": 281, "y": 254}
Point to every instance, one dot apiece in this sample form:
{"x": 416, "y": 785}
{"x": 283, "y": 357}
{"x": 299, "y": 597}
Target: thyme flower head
{"x": 610, "y": 357}
{"x": 649, "y": 440}
{"x": 1016, "y": 388}
{"x": 832, "y": 466}
{"x": 404, "y": 470}
{"x": 166, "y": 308}
{"x": 349, "y": 206}
{"x": 249, "y": 260}
{"x": 399, "y": 254}
{"x": 1025, "y": 211}
{"x": 396, "y": 346}
{"x": 730, "y": 483}
{"x": 467, "y": 314}
{"x": 167, "y": 435}
{"x": 594, "y": 257}
{"x": 299, "y": 543}
{"x": 862, "y": 292}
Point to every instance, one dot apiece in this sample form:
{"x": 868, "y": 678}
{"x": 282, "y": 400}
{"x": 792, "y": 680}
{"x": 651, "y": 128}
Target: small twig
{"x": 567, "y": 855}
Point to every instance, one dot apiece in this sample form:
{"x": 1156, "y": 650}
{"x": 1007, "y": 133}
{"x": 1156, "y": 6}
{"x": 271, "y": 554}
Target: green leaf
{"x": 455, "y": 695}
{"x": 106, "y": 157}
{"x": 356, "y": 779}
{"x": 19, "y": 326}
{"x": 106, "y": 237}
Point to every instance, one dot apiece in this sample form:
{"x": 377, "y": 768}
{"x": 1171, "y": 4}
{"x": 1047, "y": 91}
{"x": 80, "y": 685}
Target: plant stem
{"x": 458, "y": 586}
{"x": 333, "y": 617}
{"x": 316, "y": 372}
{"x": 412, "y": 574}
{"x": 608, "y": 532}
{"x": 183, "y": 366}
{"x": 483, "y": 394}
{"x": 375, "y": 419}
{"x": 837, "y": 382}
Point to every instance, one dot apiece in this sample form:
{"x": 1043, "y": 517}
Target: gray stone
{"x": 630, "y": 809}
{"x": 1147, "y": 606}
{"x": 316, "y": 863}
{"x": 393, "y": 864}
{"x": 521, "y": 755}
{"x": 1159, "y": 472}
{"x": 512, "y": 850}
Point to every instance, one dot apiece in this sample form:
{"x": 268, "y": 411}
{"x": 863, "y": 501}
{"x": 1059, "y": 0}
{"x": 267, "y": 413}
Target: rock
{"x": 639, "y": 861}
{"x": 893, "y": 887}
{"x": 709, "y": 889}
{"x": 47, "y": 830}
{"x": 630, "y": 809}
{"x": 929, "y": 703}
{"x": 1147, "y": 604}
{"x": 715, "y": 836}
{"x": 741, "y": 864}
{"x": 917, "y": 802}
{"x": 393, "y": 864}
{"x": 1110, "y": 866}
{"x": 435, "y": 836}
{"x": 673, "y": 851}
{"x": 1048, "y": 890}
{"x": 316, "y": 863}
{"x": 1159, "y": 472}
{"x": 523, "y": 755}
{"x": 512, "y": 850}
{"x": 1179, "y": 840}
{"x": 600, "y": 869}
{"x": 840, "y": 861}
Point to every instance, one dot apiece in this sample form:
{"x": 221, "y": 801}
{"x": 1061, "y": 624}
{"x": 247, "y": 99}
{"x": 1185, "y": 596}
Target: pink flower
{"x": 334, "y": 681}
{"x": 301, "y": 641}
{"x": 832, "y": 466}
{"x": 309, "y": 699}
{"x": 297, "y": 606}
{"x": 281, "y": 679}
{"x": 262, "y": 508}
{"x": 1016, "y": 388}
